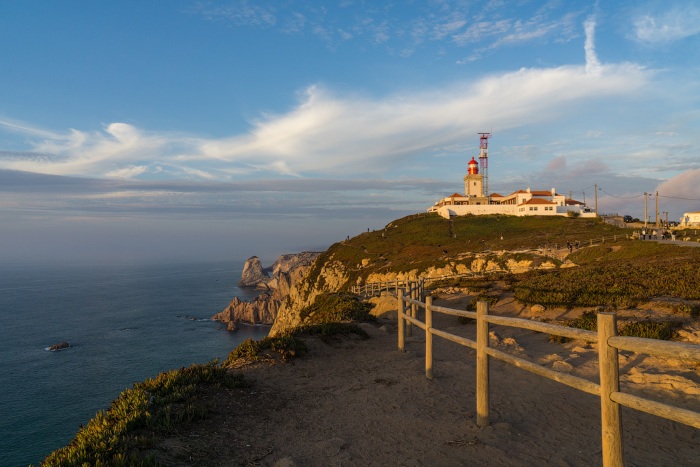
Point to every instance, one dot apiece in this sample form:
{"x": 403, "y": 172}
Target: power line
{"x": 620, "y": 197}
{"x": 676, "y": 197}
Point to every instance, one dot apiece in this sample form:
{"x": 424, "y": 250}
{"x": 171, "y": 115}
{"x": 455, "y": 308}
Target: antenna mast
{"x": 484, "y": 159}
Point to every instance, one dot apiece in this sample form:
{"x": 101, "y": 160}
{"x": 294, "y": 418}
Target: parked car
{"x": 627, "y": 219}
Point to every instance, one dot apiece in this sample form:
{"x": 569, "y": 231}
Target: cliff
{"x": 263, "y": 309}
{"x": 428, "y": 246}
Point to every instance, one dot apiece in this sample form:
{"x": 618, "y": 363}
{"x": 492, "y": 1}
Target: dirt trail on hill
{"x": 362, "y": 402}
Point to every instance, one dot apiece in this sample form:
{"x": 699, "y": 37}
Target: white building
{"x": 690, "y": 218}
{"x": 520, "y": 203}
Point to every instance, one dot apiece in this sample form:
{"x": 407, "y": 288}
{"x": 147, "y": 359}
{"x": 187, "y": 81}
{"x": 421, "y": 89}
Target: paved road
{"x": 677, "y": 242}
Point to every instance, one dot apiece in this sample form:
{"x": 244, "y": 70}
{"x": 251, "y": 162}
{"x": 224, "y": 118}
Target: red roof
{"x": 496, "y": 195}
{"x": 456, "y": 195}
{"x": 572, "y": 202}
{"x": 536, "y": 201}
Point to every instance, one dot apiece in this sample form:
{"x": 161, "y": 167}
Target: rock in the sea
{"x": 260, "y": 310}
{"x": 253, "y": 273}
{"x": 61, "y": 346}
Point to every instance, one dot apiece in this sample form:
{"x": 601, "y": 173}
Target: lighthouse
{"x": 473, "y": 181}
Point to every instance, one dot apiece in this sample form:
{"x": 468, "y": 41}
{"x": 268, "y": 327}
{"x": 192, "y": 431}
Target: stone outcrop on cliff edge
{"x": 286, "y": 272}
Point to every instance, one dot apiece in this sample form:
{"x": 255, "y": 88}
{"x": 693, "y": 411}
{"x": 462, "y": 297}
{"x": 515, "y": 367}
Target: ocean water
{"x": 124, "y": 323}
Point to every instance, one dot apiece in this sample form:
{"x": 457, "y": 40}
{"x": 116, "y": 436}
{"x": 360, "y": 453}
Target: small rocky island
{"x": 274, "y": 284}
{"x": 61, "y": 346}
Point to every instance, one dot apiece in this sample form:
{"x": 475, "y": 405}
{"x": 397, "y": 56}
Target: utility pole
{"x": 596, "y": 199}
{"x": 657, "y": 208}
{"x": 645, "y": 209}
{"x": 666, "y": 214}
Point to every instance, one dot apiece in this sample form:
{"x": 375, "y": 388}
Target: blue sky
{"x": 173, "y": 130}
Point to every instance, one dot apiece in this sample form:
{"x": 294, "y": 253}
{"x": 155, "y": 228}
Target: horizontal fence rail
{"x": 409, "y": 301}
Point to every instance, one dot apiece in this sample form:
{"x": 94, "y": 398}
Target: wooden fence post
{"x": 482, "y": 364}
{"x": 428, "y": 337}
{"x": 609, "y": 382}
{"x": 409, "y": 325}
{"x": 399, "y": 296}
{"x": 414, "y": 295}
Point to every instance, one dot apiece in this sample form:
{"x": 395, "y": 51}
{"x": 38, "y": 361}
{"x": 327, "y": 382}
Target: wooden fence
{"x": 609, "y": 343}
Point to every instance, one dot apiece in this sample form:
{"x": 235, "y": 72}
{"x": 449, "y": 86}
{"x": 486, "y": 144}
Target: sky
{"x": 201, "y": 130}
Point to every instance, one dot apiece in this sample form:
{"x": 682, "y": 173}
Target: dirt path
{"x": 362, "y": 402}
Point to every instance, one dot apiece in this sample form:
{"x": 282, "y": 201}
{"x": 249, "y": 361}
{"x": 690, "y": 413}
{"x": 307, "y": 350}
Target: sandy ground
{"x": 362, "y": 402}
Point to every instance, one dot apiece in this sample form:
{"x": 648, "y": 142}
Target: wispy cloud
{"x": 328, "y": 133}
{"x": 592, "y": 62}
{"x": 671, "y": 24}
{"x": 455, "y": 23}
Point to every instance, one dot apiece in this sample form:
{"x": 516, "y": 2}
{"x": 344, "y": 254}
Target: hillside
{"x": 428, "y": 245}
{"x": 422, "y": 241}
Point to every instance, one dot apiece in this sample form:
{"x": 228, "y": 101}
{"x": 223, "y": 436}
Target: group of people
{"x": 572, "y": 245}
{"x": 654, "y": 234}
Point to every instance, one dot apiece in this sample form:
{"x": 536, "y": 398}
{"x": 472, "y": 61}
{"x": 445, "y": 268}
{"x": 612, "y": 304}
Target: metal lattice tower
{"x": 484, "y": 159}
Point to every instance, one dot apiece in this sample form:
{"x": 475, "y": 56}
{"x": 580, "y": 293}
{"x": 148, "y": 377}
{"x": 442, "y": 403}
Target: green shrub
{"x": 587, "y": 321}
{"x": 156, "y": 405}
{"x": 491, "y": 299}
{"x": 336, "y": 307}
{"x": 663, "y": 330}
{"x": 285, "y": 346}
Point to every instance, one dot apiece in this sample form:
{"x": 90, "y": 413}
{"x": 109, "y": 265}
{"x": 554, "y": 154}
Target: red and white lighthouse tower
{"x": 473, "y": 181}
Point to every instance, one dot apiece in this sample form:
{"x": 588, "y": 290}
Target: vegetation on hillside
{"x": 648, "y": 329}
{"x": 134, "y": 420}
{"x": 620, "y": 275}
{"x": 427, "y": 240}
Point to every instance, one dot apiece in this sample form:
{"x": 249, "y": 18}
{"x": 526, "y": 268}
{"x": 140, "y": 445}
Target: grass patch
{"x": 663, "y": 330}
{"x": 633, "y": 273}
{"x": 155, "y": 406}
{"x": 491, "y": 299}
{"x": 335, "y": 308}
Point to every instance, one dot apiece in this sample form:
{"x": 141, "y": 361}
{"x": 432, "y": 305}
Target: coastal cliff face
{"x": 328, "y": 276}
{"x": 428, "y": 246}
{"x": 286, "y": 271}
{"x": 334, "y": 276}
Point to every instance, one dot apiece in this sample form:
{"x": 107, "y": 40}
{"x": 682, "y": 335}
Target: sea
{"x": 124, "y": 324}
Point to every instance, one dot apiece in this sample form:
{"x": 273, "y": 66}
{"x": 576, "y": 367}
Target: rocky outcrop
{"x": 253, "y": 273}
{"x": 263, "y": 309}
{"x": 260, "y": 310}
{"x": 56, "y": 347}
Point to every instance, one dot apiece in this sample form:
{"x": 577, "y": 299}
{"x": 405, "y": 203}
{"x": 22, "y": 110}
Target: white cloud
{"x": 672, "y": 24}
{"x": 684, "y": 185}
{"x": 592, "y": 62}
{"x": 127, "y": 172}
{"x": 328, "y": 133}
